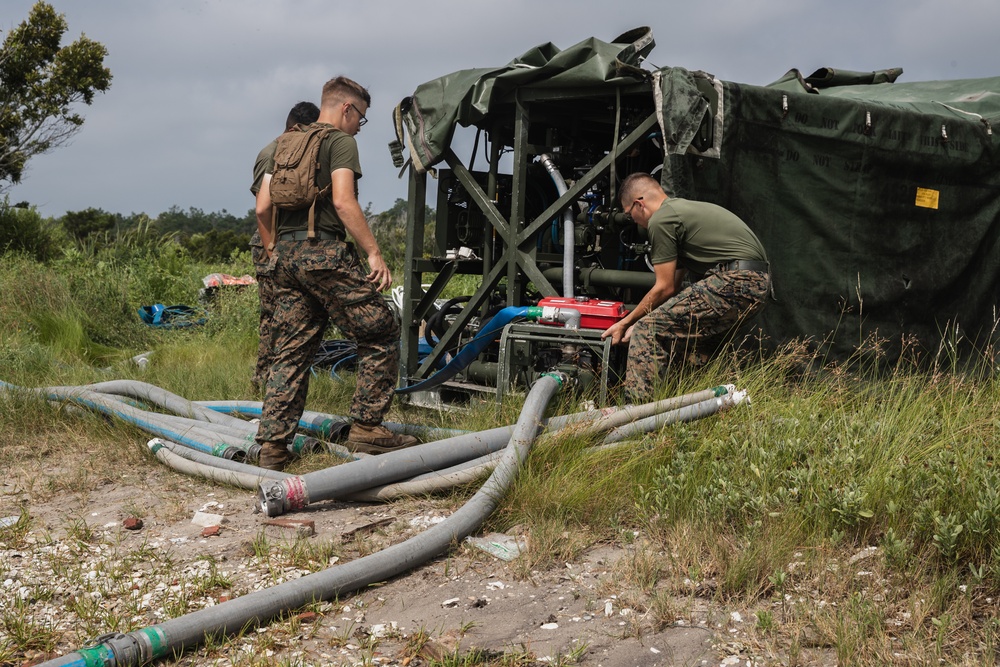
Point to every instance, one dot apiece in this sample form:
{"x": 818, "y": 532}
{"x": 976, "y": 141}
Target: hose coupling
{"x": 275, "y": 497}
{"x": 252, "y": 453}
{"x": 229, "y": 452}
{"x": 305, "y": 444}
{"x": 737, "y": 397}
{"x": 155, "y": 445}
{"x": 562, "y": 378}
{"x": 116, "y": 649}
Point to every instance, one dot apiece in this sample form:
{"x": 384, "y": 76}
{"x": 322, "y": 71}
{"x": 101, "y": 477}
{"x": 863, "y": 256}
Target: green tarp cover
{"x": 465, "y": 97}
{"x": 879, "y": 207}
{"x": 878, "y": 202}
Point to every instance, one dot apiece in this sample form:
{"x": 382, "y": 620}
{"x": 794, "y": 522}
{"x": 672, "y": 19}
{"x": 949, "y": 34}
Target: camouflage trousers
{"x": 705, "y": 311}
{"x": 317, "y": 283}
{"x": 265, "y": 290}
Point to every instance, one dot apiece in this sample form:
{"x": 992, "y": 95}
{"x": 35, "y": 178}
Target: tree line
{"x": 204, "y": 236}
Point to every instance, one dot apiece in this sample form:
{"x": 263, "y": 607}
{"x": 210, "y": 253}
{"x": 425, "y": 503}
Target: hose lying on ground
{"x": 186, "y": 632}
{"x": 412, "y": 471}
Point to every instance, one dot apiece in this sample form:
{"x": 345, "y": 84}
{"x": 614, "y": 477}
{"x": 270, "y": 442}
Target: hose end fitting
{"x": 559, "y": 376}
{"x": 305, "y": 444}
{"x": 115, "y": 649}
{"x": 275, "y": 497}
{"x": 734, "y": 398}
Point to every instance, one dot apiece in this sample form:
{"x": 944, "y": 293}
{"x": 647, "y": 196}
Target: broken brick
{"x": 132, "y": 523}
{"x": 302, "y": 527}
{"x": 211, "y": 531}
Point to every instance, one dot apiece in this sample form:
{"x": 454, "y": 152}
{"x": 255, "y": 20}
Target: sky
{"x": 200, "y": 86}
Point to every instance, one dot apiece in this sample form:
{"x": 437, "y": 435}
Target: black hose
{"x": 436, "y": 325}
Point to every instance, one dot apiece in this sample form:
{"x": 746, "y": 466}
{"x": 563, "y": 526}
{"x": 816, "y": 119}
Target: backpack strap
{"x": 274, "y": 227}
{"x": 325, "y": 192}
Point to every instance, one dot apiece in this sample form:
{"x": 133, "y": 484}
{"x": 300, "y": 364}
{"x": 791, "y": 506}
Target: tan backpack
{"x": 293, "y": 177}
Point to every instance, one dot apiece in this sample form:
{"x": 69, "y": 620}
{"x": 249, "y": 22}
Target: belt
{"x": 302, "y": 235}
{"x": 744, "y": 265}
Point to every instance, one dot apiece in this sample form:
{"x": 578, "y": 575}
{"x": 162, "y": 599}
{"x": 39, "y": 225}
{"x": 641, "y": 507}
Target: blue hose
{"x": 468, "y": 354}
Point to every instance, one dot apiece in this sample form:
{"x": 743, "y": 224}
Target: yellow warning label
{"x": 927, "y": 198}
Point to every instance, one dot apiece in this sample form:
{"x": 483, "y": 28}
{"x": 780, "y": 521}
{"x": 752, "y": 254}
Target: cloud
{"x": 201, "y": 85}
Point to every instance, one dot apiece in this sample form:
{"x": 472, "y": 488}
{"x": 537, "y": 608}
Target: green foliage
{"x": 85, "y": 223}
{"x": 40, "y": 83}
{"x": 215, "y": 245}
{"x": 389, "y": 229}
{"x": 23, "y": 230}
{"x": 196, "y": 221}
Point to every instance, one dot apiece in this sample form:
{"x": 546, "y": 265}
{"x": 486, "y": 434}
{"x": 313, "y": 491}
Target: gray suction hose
{"x": 328, "y": 427}
{"x": 194, "y": 455}
{"x": 293, "y": 493}
{"x": 154, "y": 423}
{"x": 631, "y": 413}
{"x": 186, "y": 632}
{"x": 686, "y": 413}
{"x": 167, "y": 400}
{"x": 241, "y": 479}
{"x": 474, "y": 469}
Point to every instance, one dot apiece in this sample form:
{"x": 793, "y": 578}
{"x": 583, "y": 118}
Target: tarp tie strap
{"x": 989, "y": 128}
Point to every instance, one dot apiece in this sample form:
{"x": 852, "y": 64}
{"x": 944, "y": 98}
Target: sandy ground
{"x": 463, "y": 601}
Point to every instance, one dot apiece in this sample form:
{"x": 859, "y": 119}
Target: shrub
{"x": 23, "y": 230}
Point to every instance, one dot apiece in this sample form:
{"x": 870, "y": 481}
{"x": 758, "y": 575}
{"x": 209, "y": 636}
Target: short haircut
{"x": 341, "y": 89}
{"x": 634, "y": 186}
{"x": 302, "y": 113}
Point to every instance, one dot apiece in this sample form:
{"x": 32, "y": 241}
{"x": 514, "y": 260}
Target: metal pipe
{"x": 568, "y": 228}
{"x": 610, "y": 277}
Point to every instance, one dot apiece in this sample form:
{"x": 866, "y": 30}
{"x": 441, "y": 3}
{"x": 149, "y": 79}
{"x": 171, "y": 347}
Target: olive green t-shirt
{"x": 700, "y": 235}
{"x": 264, "y": 164}
{"x": 338, "y": 151}
{"x": 261, "y": 166}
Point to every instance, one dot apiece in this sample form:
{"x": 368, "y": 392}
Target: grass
{"x": 852, "y": 509}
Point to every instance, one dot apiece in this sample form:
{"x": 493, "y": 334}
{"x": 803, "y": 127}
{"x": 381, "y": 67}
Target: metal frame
{"x": 515, "y": 235}
{"x": 541, "y": 333}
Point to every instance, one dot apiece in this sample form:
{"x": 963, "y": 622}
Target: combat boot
{"x": 273, "y": 458}
{"x": 376, "y": 439}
